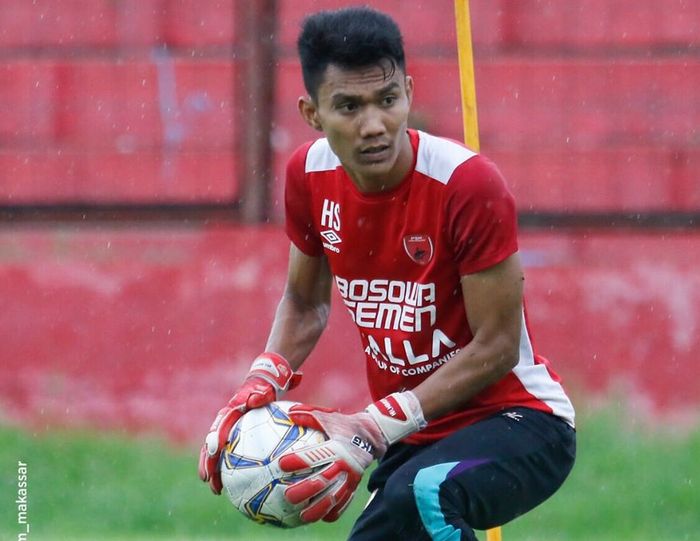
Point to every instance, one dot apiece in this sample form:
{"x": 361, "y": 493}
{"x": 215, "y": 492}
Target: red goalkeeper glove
{"x": 269, "y": 377}
{"x": 354, "y": 442}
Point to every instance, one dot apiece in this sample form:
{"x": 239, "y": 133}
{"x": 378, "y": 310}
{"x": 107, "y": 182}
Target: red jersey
{"x": 397, "y": 257}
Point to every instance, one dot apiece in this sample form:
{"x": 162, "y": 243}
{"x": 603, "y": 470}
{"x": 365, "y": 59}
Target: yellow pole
{"x": 494, "y": 534}
{"x": 466, "y": 75}
{"x": 469, "y": 118}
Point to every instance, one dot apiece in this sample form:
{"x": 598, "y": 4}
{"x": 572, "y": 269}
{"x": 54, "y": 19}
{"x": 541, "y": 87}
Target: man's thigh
{"x": 481, "y": 476}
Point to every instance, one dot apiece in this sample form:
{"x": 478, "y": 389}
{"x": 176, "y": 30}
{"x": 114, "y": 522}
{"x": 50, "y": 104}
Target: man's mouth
{"x": 374, "y": 149}
{"x": 375, "y": 153}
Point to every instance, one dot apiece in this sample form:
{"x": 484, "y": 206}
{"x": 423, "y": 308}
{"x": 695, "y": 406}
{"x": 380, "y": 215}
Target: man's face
{"x": 364, "y": 113}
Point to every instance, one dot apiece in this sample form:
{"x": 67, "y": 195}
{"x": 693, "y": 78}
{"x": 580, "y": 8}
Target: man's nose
{"x": 372, "y": 123}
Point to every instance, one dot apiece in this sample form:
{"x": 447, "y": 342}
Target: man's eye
{"x": 347, "y": 107}
{"x": 389, "y": 100}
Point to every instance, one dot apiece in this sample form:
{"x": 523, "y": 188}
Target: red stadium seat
{"x": 174, "y": 103}
{"x": 429, "y": 27}
{"x": 71, "y": 24}
{"x": 161, "y": 177}
{"x": 601, "y": 24}
{"x": 27, "y": 105}
{"x": 29, "y": 177}
{"x": 565, "y": 104}
{"x": 57, "y": 176}
{"x": 105, "y": 104}
{"x": 196, "y": 23}
{"x": 617, "y": 179}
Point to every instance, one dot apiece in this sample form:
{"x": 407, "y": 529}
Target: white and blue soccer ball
{"x": 250, "y": 471}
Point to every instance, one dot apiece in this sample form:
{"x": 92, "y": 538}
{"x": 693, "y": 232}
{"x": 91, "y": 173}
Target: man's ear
{"x": 309, "y": 112}
{"x": 409, "y": 89}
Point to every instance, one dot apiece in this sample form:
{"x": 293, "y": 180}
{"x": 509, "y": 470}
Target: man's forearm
{"x": 473, "y": 369}
{"x": 296, "y": 329}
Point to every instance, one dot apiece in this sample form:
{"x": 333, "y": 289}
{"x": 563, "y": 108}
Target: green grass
{"x": 636, "y": 484}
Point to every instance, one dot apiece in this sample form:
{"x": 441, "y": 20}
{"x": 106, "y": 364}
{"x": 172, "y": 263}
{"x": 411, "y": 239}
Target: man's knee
{"x": 400, "y": 499}
{"x": 419, "y": 502}
{"x": 402, "y": 507}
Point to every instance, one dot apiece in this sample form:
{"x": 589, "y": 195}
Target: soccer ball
{"x": 250, "y": 471}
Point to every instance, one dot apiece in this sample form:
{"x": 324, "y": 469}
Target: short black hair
{"x": 353, "y": 37}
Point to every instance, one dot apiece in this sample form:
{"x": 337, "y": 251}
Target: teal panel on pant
{"x": 426, "y": 489}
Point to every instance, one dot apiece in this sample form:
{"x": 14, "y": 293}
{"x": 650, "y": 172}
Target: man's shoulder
{"x": 314, "y": 156}
{"x": 463, "y": 172}
{"x": 439, "y": 157}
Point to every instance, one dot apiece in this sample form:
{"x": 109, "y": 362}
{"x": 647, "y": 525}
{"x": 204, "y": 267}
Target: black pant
{"x": 480, "y": 477}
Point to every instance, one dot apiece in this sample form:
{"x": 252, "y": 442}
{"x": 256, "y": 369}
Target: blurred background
{"x": 142, "y": 255}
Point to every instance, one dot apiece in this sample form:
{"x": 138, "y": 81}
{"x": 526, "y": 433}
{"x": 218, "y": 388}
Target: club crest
{"x": 419, "y": 248}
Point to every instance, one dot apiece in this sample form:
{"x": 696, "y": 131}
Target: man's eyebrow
{"x": 341, "y": 96}
{"x": 388, "y": 88}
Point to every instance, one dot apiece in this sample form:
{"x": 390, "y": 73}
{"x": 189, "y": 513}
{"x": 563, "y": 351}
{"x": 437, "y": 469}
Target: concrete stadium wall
{"x": 149, "y": 329}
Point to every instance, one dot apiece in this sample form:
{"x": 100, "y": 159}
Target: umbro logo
{"x": 331, "y": 237}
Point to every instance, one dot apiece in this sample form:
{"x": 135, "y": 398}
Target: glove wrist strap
{"x": 398, "y": 415}
{"x": 274, "y": 369}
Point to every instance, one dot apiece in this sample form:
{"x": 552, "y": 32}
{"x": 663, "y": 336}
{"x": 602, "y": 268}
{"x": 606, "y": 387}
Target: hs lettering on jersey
{"x": 330, "y": 219}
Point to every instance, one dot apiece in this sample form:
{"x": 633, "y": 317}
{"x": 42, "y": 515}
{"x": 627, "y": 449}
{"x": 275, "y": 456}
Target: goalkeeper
{"x": 471, "y": 427}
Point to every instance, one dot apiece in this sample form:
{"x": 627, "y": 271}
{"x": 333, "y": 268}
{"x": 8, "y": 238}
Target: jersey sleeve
{"x": 297, "y": 205}
{"x": 481, "y": 218}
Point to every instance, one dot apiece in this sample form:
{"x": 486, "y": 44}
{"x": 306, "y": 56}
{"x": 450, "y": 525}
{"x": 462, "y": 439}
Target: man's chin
{"x": 376, "y": 177}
